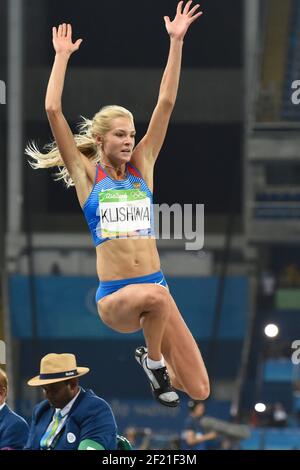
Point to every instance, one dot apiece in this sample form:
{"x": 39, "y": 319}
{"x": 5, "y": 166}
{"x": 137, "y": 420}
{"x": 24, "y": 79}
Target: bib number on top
{"x": 124, "y": 212}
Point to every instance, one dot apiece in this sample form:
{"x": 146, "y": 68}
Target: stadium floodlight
{"x": 271, "y": 330}
{"x": 260, "y": 407}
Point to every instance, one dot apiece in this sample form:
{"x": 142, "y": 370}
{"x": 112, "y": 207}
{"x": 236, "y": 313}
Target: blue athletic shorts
{"x": 108, "y": 287}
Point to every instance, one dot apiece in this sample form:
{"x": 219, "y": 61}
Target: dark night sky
{"x": 128, "y": 33}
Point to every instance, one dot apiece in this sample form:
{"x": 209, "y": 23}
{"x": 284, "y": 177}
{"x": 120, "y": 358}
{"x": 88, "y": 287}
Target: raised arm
{"x": 152, "y": 142}
{"x": 64, "y": 48}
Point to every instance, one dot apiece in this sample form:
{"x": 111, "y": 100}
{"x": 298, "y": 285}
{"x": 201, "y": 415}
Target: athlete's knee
{"x": 105, "y": 313}
{"x": 158, "y": 300}
{"x": 104, "y": 317}
{"x": 199, "y": 390}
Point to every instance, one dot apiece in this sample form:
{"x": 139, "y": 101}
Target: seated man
{"x": 194, "y": 437}
{"x": 13, "y": 428}
{"x": 70, "y": 418}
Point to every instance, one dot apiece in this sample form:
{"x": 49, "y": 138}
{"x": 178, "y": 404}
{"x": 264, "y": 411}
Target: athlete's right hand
{"x": 62, "y": 39}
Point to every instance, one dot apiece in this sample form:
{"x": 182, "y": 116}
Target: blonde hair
{"x": 85, "y": 142}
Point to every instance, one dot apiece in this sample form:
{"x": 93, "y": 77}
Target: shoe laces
{"x": 163, "y": 373}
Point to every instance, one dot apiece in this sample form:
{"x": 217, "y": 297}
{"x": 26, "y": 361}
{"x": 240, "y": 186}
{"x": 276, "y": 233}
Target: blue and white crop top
{"x": 119, "y": 208}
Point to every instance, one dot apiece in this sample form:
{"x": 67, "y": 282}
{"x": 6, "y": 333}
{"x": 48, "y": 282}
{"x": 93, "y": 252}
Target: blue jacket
{"x": 13, "y": 429}
{"x": 89, "y": 418}
{"x": 192, "y": 423}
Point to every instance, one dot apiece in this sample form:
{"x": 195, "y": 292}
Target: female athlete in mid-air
{"x": 113, "y": 179}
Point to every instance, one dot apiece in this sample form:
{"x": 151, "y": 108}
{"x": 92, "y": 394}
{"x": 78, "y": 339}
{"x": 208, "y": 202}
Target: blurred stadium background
{"x": 234, "y": 134}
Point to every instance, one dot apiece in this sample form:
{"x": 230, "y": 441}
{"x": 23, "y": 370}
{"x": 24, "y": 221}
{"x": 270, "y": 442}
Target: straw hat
{"x": 56, "y": 368}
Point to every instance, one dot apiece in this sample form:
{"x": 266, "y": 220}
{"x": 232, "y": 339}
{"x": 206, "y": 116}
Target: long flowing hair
{"x": 85, "y": 141}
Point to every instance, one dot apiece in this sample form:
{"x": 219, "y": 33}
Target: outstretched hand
{"x": 62, "y": 39}
{"x": 183, "y": 19}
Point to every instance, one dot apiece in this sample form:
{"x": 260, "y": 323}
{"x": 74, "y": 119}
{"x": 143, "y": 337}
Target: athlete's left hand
{"x": 183, "y": 19}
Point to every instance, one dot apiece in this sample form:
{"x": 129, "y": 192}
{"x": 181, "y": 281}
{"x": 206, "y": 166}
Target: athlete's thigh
{"x": 122, "y": 309}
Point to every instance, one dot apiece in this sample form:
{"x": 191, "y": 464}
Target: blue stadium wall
{"x": 67, "y": 321}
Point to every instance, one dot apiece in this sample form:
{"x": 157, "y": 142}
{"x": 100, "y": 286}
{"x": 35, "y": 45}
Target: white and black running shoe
{"x": 162, "y": 389}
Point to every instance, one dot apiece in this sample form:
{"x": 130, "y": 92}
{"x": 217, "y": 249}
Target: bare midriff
{"x": 124, "y": 258}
